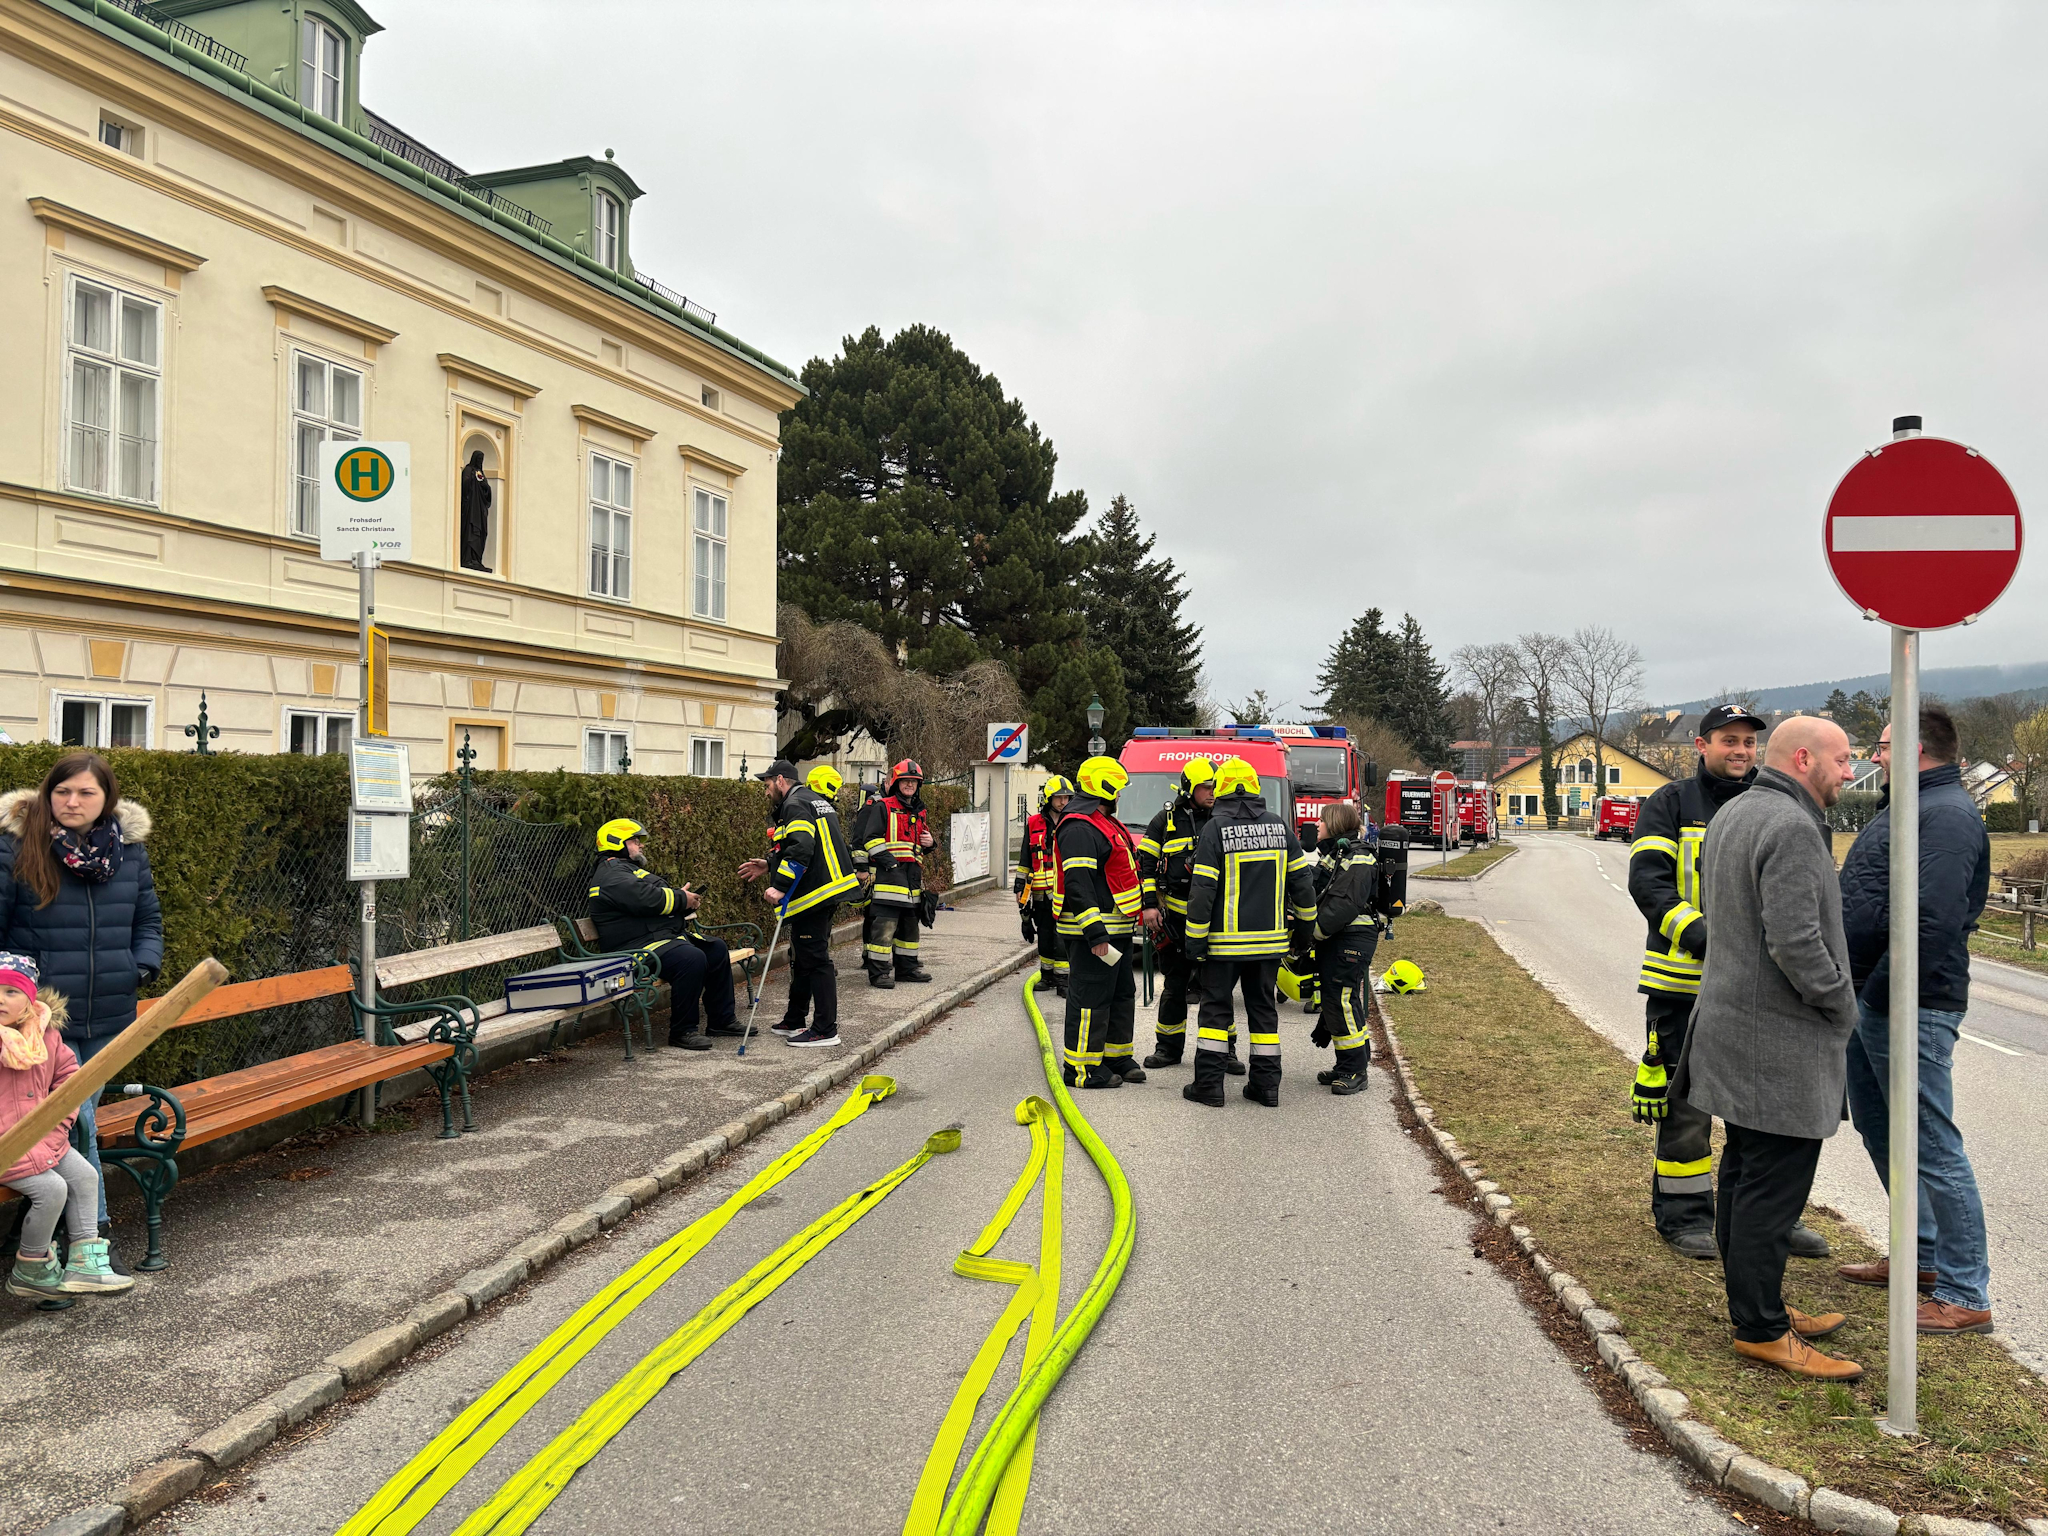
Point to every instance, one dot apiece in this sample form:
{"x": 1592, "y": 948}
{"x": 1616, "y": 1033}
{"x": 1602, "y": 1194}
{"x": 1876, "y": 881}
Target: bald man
{"x": 1768, "y": 1047}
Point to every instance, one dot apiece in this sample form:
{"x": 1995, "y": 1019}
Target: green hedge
{"x": 2005, "y": 816}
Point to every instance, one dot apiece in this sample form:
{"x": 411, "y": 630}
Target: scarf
{"x": 91, "y": 855}
{"x": 26, "y": 1047}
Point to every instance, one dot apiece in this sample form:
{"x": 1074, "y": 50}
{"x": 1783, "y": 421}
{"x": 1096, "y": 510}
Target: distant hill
{"x": 1951, "y": 683}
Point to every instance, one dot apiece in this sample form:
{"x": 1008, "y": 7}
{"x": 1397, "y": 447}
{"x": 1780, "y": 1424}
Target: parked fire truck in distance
{"x": 1325, "y": 766}
{"x": 1155, "y": 755}
{"x": 1615, "y": 816}
{"x": 1411, "y": 802}
{"x": 1475, "y": 812}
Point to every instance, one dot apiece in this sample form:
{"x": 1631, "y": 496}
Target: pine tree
{"x": 1363, "y": 671}
{"x": 1133, "y": 603}
{"x": 1417, "y": 705}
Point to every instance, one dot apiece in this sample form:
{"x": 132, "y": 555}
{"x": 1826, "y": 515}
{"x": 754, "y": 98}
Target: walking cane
{"x": 1149, "y": 948}
{"x": 748, "y": 1033}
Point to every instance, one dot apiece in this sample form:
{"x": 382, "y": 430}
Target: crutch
{"x": 1148, "y": 952}
{"x": 781, "y": 908}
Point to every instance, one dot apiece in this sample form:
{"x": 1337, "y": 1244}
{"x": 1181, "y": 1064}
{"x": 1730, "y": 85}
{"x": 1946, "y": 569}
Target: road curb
{"x": 156, "y": 1487}
{"x": 1512, "y": 850}
{"x": 1717, "y": 1460}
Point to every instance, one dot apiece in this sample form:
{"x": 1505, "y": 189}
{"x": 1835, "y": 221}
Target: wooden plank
{"x": 270, "y": 992}
{"x": 451, "y": 959}
{"x": 116, "y": 1054}
{"x": 586, "y": 930}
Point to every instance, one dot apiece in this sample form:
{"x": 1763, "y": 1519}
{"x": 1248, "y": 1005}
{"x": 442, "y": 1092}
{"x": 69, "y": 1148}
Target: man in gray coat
{"x": 1767, "y": 1051}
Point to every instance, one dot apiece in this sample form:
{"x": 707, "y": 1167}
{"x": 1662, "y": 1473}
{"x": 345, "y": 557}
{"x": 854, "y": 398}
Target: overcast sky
{"x": 1576, "y": 312}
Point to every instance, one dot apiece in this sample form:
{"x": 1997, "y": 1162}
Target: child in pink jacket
{"x": 34, "y": 1063}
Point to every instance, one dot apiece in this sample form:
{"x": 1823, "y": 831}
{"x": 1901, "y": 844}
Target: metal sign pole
{"x": 366, "y": 979}
{"x": 1902, "y": 1409}
{"x": 1003, "y": 868}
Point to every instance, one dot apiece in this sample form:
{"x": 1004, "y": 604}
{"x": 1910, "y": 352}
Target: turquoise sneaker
{"x": 89, "y": 1272}
{"x": 40, "y": 1278}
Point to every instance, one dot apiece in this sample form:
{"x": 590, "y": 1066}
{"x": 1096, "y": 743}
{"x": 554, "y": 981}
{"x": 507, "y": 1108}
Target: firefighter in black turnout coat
{"x": 1166, "y": 869}
{"x": 1095, "y": 875}
{"x": 632, "y": 907}
{"x": 1034, "y": 885}
{"x": 890, "y": 837}
{"x": 1252, "y": 897}
{"x": 1347, "y": 932}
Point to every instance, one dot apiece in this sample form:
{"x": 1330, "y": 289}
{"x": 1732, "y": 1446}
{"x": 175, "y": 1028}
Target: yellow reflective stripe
{"x": 1179, "y": 844}
{"x": 413, "y": 1491}
{"x": 811, "y": 899}
{"x": 1685, "y": 1170}
{"x": 1209, "y": 870}
{"x": 799, "y": 826}
{"x": 1146, "y": 845}
{"x": 1653, "y": 845}
{"x": 530, "y": 1490}
{"x": 1303, "y": 862}
{"x": 1177, "y": 904}
{"x": 1691, "y": 917}
{"x": 1198, "y": 930}
{"x": 593, "y": 890}
{"x": 668, "y": 900}
{"x": 1080, "y": 863}
{"x": 1305, "y": 914}
{"x": 1682, "y": 913}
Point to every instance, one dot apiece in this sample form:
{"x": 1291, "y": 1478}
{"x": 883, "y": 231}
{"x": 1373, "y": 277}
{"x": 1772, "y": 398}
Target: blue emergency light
{"x": 1153, "y": 730}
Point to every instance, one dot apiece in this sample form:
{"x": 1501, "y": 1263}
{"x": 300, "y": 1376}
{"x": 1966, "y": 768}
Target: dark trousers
{"x": 1765, "y": 1180}
{"x": 1682, "y": 1184}
{"x": 813, "y": 979}
{"x": 1052, "y": 949}
{"x": 1102, "y": 1011}
{"x": 890, "y": 931}
{"x": 1342, "y": 964}
{"x": 696, "y": 970}
{"x": 1216, "y": 1021}
{"x": 1175, "y": 972}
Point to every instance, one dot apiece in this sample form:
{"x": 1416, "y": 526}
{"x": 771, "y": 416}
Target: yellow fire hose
{"x": 421, "y": 1483}
{"x": 999, "y": 1472}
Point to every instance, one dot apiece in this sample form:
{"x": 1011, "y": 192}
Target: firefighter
{"x": 632, "y": 907}
{"x": 1252, "y": 900}
{"x": 1033, "y": 884}
{"x": 1664, "y": 879}
{"x": 814, "y": 873}
{"x": 889, "y": 840}
{"x": 1166, "y": 865}
{"x": 1096, "y": 883}
{"x": 1346, "y": 934}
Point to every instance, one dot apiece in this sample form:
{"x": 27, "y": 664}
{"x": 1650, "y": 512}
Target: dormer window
{"x": 605, "y": 244}
{"x": 322, "y": 55}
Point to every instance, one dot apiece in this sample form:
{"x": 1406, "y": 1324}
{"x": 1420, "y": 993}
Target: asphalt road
{"x": 1561, "y": 907}
{"x": 1303, "y": 1341}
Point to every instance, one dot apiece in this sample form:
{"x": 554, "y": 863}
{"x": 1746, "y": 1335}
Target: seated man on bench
{"x": 634, "y": 908}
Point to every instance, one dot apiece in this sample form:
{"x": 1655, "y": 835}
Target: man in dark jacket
{"x": 1347, "y": 934}
{"x": 1097, "y": 888}
{"x": 1664, "y": 880}
{"x": 1955, "y": 875}
{"x": 813, "y": 874}
{"x": 632, "y": 907}
{"x": 1166, "y": 869}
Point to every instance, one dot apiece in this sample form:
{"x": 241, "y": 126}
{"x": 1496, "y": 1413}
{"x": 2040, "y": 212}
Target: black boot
{"x": 1160, "y": 1058}
{"x": 1231, "y": 1064}
{"x": 688, "y": 1043}
{"x": 1343, "y": 1082}
{"x": 1129, "y": 1070}
{"x": 878, "y": 976}
{"x": 1267, "y": 1094}
{"x": 916, "y": 972}
{"x": 731, "y": 1027}
{"x": 1196, "y": 1093}
{"x": 1104, "y": 1079}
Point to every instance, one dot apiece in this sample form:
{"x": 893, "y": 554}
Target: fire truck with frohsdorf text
{"x": 1156, "y": 754}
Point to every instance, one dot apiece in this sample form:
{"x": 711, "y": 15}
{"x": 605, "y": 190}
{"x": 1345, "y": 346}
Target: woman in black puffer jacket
{"x": 76, "y": 893}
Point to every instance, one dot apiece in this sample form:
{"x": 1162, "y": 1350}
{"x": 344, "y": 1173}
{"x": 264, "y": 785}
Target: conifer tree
{"x": 1362, "y": 673}
{"x": 1418, "y": 704}
{"x": 1133, "y": 604}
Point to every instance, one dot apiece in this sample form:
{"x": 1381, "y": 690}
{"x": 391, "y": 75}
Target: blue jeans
{"x": 86, "y": 1134}
{"x": 1952, "y": 1242}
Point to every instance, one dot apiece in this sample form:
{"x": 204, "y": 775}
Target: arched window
{"x": 476, "y": 441}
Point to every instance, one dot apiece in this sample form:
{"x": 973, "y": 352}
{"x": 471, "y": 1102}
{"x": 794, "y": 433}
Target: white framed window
{"x": 327, "y": 406}
{"x": 312, "y": 732}
{"x": 707, "y": 556}
{"x": 604, "y": 751}
{"x": 605, "y": 230}
{"x": 119, "y": 135}
{"x": 611, "y": 528}
{"x": 113, "y": 391}
{"x": 323, "y": 53}
{"x": 707, "y": 757}
{"x": 710, "y": 398}
{"x": 1614, "y": 775}
{"x": 101, "y": 720}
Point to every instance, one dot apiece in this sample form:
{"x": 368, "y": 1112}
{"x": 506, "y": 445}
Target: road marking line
{"x": 1992, "y": 1045}
{"x": 2019, "y": 1002}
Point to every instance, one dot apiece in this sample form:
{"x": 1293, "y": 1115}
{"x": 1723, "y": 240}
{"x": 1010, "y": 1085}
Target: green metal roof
{"x": 582, "y": 165}
{"x": 115, "y": 20}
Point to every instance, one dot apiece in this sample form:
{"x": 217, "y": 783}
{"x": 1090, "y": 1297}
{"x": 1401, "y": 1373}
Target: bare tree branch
{"x": 1492, "y": 675}
{"x": 1602, "y": 675}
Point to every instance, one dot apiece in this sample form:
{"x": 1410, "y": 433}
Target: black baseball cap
{"x": 781, "y": 768}
{"x": 1728, "y": 714}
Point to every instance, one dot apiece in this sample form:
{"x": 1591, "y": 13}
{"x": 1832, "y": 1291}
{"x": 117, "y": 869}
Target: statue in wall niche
{"x": 476, "y": 512}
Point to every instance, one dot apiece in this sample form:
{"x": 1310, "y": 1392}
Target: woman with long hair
{"x": 76, "y": 895}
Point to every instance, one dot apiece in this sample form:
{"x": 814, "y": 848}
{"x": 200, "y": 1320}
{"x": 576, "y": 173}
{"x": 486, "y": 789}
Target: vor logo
{"x": 364, "y": 474}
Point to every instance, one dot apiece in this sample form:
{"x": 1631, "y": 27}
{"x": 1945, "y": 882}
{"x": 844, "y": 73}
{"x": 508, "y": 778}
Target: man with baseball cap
{"x": 1664, "y": 879}
{"x": 813, "y": 874}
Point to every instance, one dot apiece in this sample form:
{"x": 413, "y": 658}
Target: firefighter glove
{"x": 1652, "y": 1097}
{"x": 1321, "y": 1035}
{"x": 1030, "y": 927}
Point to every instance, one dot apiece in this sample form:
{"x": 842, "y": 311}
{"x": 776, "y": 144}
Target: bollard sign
{"x": 365, "y": 500}
{"x": 1923, "y": 533}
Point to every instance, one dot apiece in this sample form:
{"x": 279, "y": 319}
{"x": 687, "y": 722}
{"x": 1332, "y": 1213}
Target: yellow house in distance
{"x": 1518, "y": 793}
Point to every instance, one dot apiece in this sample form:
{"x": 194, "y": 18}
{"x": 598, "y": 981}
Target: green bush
{"x": 2005, "y": 816}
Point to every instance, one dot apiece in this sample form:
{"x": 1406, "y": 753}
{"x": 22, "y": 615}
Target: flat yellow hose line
{"x": 530, "y": 1490}
{"x": 411, "y": 1494}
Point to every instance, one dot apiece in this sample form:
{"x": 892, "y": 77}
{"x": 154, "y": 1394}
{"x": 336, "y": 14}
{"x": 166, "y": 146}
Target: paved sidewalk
{"x": 280, "y": 1259}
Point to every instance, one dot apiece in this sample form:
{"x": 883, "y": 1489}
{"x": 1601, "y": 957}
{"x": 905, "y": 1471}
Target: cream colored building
{"x": 1518, "y": 793}
{"x": 212, "y": 257}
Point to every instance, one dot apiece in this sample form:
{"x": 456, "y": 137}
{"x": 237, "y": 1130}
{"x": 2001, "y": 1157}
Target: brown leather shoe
{"x": 1879, "y": 1272}
{"x": 1792, "y": 1353}
{"x": 1814, "y": 1327}
{"x": 1947, "y": 1317}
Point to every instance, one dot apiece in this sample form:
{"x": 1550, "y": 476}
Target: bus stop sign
{"x": 1923, "y": 533}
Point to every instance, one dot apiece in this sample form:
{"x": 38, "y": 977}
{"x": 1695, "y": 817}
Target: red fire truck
{"x": 1325, "y": 766}
{"x": 1475, "y": 812}
{"x": 1155, "y": 755}
{"x": 1615, "y": 816}
{"x": 1416, "y": 801}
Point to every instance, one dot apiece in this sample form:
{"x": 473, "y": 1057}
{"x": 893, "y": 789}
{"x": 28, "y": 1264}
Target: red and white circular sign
{"x": 1923, "y": 533}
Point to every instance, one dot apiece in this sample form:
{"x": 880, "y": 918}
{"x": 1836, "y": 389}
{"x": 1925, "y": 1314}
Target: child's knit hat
{"x": 20, "y": 972}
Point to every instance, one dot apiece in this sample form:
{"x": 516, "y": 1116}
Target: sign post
{"x": 1009, "y": 743}
{"x": 366, "y": 516}
{"x": 1922, "y": 533}
{"x": 1445, "y": 785}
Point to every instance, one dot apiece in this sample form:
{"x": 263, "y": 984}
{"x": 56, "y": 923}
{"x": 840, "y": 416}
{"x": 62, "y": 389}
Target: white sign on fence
{"x": 970, "y": 845}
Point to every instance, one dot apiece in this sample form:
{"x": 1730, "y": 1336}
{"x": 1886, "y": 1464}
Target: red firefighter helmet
{"x": 907, "y": 769}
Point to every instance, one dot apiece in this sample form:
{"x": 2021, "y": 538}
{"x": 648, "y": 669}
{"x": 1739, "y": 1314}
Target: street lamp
{"x": 1096, "y": 744}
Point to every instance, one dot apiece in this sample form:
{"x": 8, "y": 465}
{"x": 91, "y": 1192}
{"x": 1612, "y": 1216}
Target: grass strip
{"x": 1541, "y": 1102}
{"x": 1464, "y": 864}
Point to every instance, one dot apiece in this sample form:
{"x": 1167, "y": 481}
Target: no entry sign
{"x": 1923, "y": 533}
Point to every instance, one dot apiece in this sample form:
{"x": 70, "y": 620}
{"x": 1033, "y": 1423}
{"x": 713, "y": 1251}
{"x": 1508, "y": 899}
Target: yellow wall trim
{"x": 284, "y": 300}
{"x": 469, "y": 370}
{"x": 590, "y": 415}
{"x": 711, "y": 460}
{"x": 58, "y": 216}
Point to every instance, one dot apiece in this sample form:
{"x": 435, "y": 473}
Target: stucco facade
{"x": 1518, "y": 793}
{"x": 196, "y": 286}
